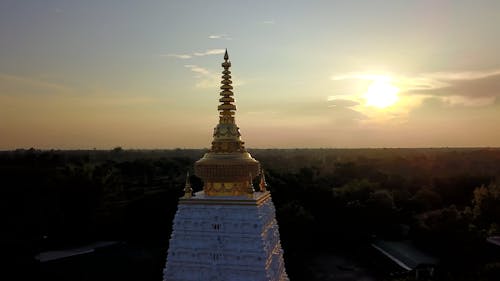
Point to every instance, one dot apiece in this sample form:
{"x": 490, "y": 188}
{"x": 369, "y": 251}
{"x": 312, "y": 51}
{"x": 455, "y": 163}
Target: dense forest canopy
{"x": 446, "y": 200}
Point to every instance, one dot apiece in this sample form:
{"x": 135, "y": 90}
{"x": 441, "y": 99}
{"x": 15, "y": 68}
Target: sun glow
{"x": 381, "y": 93}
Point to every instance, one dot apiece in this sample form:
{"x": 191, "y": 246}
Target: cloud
{"x": 464, "y": 75}
{"x": 360, "y": 76}
{"x": 470, "y": 88}
{"x": 455, "y": 88}
{"x": 197, "y": 69}
{"x": 465, "y": 83}
{"x": 205, "y": 78}
{"x": 468, "y": 95}
{"x": 355, "y": 84}
{"x": 210, "y": 52}
{"x": 179, "y": 56}
{"x": 13, "y": 84}
{"x": 196, "y": 54}
{"x": 340, "y": 102}
{"x": 219, "y": 36}
{"x": 269, "y": 22}
{"x": 464, "y": 101}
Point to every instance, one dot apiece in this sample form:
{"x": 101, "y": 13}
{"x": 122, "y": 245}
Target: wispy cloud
{"x": 359, "y": 75}
{"x": 464, "y": 75}
{"x": 338, "y": 101}
{"x": 465, "y": 88}
{"x": 219, "y": 36}
{"x": 209, "y": 52}
{"x": 465, "y": 101}
{"x": 449, "y": 80}
{"x": 460, "y": 90}
{"x": 13, "y": 84}
{"x": 354, "y": 98}
{"x": 207, "y": 79}
{"x": 204, "y": 77}
{"x": 197, "y": 69}
{"x": 179, "y": 56}
{"x": 195, "y": 54}
{"x": 268, "y": 22}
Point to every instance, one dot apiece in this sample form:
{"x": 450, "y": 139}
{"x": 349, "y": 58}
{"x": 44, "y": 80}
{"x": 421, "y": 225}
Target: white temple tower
{"x": 228, "y": 231}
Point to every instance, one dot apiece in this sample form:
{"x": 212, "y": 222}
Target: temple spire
{"x": 225, "y": 168}
{"x": 226, "y": 107}
{"x": 211, "y": 239}
{"x": 227, "y": 137}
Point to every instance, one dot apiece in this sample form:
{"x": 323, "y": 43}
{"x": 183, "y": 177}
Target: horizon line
{"x": 254, "y": 148}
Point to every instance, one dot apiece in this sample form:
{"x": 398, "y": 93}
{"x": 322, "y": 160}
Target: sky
{"x": 306, "y": 74}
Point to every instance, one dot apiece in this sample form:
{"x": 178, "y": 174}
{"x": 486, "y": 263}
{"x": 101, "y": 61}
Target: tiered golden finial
{"x": 226, "y": 166}
{"x": 227, "y": 107}
{"x": 188, "y": 191}
{"x": 227, "y": 134}
{"x": 263, "y": 183}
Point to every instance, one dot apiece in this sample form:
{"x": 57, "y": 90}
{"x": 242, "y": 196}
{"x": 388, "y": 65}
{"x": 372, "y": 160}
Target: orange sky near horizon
{"x": 330, "y": 74}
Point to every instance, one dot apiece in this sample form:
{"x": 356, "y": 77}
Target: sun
{"x": 381, "y": 93}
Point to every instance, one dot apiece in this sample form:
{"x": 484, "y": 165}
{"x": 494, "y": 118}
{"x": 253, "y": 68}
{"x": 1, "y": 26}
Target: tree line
{"x": 445, "y": 200}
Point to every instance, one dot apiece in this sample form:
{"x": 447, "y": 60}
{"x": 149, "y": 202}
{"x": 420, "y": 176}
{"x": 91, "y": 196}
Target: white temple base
{"x": 225, "y": 239}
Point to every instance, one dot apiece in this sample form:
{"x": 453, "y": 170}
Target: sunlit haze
{"x": 381, "y": 94}
{"x": 146, "y": 74}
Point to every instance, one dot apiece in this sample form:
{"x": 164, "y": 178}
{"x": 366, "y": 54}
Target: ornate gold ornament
{"x": 226, "y": 167}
